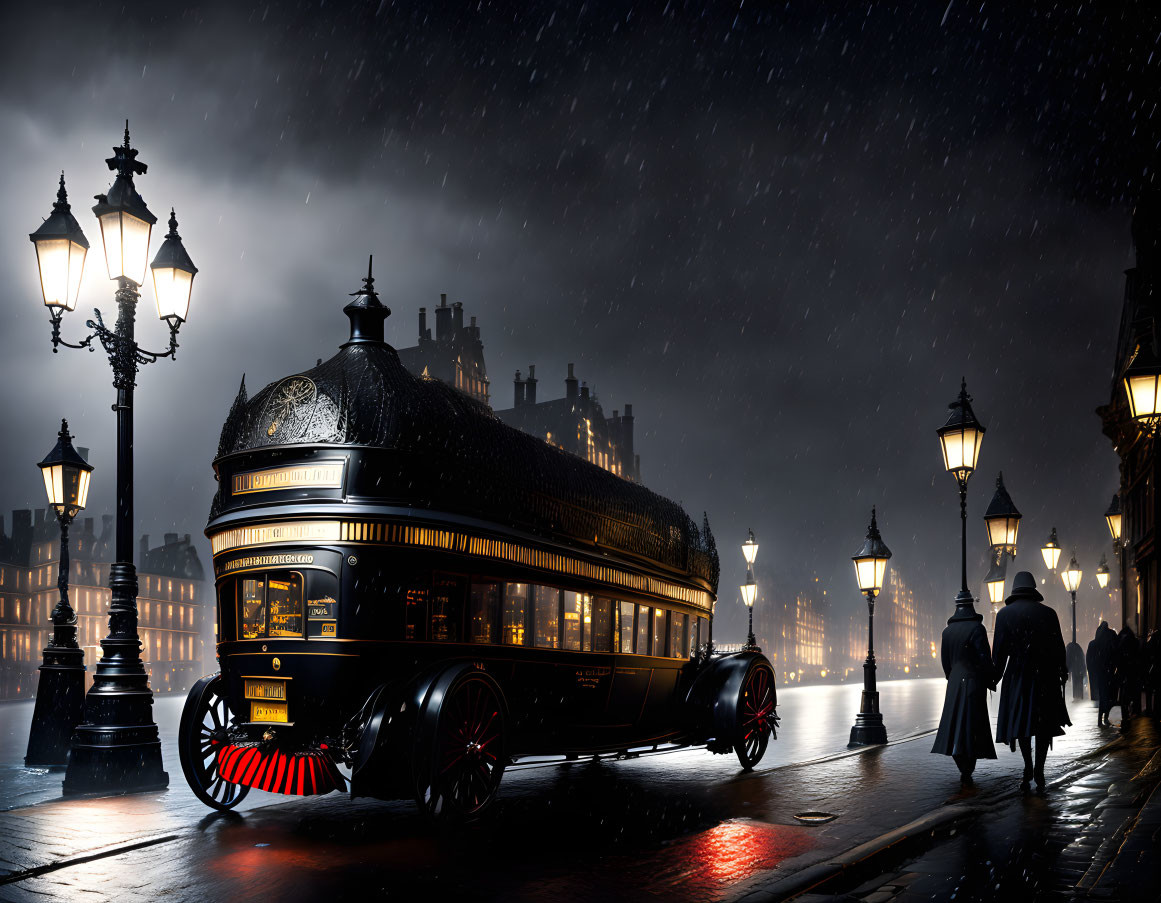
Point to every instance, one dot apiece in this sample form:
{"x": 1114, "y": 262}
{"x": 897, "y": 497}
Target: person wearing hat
{"x": 1028, "y": 655}
{"x": 965, "y": 733}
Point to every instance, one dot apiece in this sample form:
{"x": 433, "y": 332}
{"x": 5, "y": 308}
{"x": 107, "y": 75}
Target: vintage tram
{"x": 413, "y": 590}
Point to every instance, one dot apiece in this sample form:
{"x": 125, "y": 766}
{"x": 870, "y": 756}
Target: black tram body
{"x": 412, "y": 589}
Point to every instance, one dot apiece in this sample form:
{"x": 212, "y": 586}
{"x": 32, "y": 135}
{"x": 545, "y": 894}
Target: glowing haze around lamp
{"x": 66, "y": 475}
{"x": 61, "y": 248}
{"x": 173, "y": 274}
{"x": 1051, "y": 551}
{"x": 1002, "y": 519}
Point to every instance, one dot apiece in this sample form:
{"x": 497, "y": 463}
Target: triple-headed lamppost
{"x": 116, "y": 749}
{"x": 750, "y": 589}
{"x": 60, "y": 693}
{"x": 870, "y": 570}
{"x": 961, "y": 438}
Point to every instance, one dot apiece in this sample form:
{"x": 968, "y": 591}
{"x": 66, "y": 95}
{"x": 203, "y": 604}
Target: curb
{"x": 862, "y": 858}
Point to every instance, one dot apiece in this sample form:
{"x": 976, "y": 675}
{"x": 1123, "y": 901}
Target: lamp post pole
{"x": 870, "y": 569}
{"x": 960, "y": 439}
{"x": 60, "y": 693}
{"x": 116, "y": 748}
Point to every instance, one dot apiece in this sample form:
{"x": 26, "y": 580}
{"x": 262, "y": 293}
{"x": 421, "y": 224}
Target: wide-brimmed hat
{"x": 1024, "y": 587}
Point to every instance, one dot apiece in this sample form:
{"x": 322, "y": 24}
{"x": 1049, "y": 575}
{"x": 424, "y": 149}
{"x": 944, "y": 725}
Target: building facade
{"x": 906, "y": 638}
{"x": 455, "y": 354}
{"x": 171, "y": 592}
{"x": 1137, "y": 560}
{"x": 792, "y": 632}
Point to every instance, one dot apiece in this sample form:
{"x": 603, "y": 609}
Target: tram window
{"x": 644, "y": 618}
{"x": 253, "y": 608}
{"x": 574, "y": 611}
{"x": 587, "y": 624}
{"x": 271, "y": 605}
{"x": 485, "y": 611}
{"x": 627, "y": 610}
{"x": 546, "y": 617}
{"x": 447, "y": 609}
{"x": 660, "y": 616}
{"x": 515, "y": 603}
{"x": 678, "y": 635}
{"x": 415, "y": 613}
{"x": 602, "y": 625}
{"x": 702, "y": 632}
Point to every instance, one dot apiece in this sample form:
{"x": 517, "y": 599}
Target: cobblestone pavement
{"x": 686, "y": 826}
{"x": 1094, "y": 837}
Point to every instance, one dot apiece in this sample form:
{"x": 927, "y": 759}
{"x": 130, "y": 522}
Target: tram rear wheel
{"x": 462, "y": 747}
{"x": 755, "y": 722}
{"x": 203, "y": 732}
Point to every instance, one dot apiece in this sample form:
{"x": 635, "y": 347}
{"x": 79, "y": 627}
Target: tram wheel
{"x": 756, "y": 716}
{"x": 203, "y": 731}
{"x": 462, "y": 748}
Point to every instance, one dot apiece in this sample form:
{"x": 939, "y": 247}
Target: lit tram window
{"x": 644, "y": 634}
{"x": 628, "y": 610}
{"x": 546, "y": 617}
{"x": 515, "y": 605}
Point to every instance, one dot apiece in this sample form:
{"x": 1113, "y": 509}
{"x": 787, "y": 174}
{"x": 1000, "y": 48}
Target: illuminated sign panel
{"x": 304, "y": 531}
{"x": 298, "y": 476}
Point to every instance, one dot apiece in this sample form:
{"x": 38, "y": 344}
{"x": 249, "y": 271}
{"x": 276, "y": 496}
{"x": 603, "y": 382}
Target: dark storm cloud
{"x": 782, "y": 236}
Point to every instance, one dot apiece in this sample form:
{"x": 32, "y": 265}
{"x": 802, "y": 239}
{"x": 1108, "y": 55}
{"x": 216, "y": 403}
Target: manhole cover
{"x": 815, "y": 818}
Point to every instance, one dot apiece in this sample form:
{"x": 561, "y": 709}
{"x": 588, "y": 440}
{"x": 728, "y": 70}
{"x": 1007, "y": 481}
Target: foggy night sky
{"x": 783, "y": 236}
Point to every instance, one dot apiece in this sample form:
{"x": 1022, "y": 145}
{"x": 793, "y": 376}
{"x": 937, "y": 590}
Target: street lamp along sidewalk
{"x": 870, "y": 571}
{"x": 960, "y": 438}
{"x": 1070, "y": 576}
{"x": 116, "y": 748}
{"x": 749, "y": 589}
{"x": 60, "y": 692}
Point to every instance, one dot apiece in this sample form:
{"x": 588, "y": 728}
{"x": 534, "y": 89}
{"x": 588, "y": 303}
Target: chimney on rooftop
{"x": 570, "y": 383}
{"x": 443, "y": 315}
{"x": 626, "y": 442}
{"x": 422, "y": 323}
{"x": 585, "y": 391}
{"x": 530, "y": 385}
{"x": 518, "y": 397}
{"x": 458, "y": 315}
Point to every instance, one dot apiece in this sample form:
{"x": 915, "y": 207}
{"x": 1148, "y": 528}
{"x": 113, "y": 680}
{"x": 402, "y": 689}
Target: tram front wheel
{"x": 756, "y": 718}
{"x": 461, "y": 748}
{"x": 203, "y": 732}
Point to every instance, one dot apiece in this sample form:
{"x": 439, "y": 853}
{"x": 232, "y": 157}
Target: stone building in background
{"x": 576, "y": 422}
{"x": 171, "y": 600}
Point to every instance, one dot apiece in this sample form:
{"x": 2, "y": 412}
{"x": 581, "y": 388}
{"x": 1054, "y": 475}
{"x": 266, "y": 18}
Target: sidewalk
{"x": 1094, "y": 836}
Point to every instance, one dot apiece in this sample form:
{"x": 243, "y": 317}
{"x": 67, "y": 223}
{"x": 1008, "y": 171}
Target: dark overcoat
{"x": 1102, "y": 656}
{"x": 1091, "y": 665}
{"x": 1028, "y": 654}
{"x": 1128, "y": 670}
{"x": 964, "y": 727}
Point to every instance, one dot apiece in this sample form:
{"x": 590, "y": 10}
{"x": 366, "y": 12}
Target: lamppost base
{"x": 60, "y": 704}
{"x": 868, "y": 729}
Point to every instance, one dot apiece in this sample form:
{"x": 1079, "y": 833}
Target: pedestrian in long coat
{"x": 1091, "y": 665}
{"x": 965, "y": 731}
{"x": 1102, "y": 659}
{"x": 1028, "y": 654}
{"x": 1129, "y": 674}
{"x": 1153, "y": 672}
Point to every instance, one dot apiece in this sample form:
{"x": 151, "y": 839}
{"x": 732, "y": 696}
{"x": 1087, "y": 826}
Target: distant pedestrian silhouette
{"x": 1102, "y": 656}
{"x": 1028, "y": 653}
{"x": 965, "y": 732}
{"x": 1128, "y": 674}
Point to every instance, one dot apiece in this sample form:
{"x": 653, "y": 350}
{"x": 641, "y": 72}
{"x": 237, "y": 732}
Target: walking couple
{"x": 1028, "y": 657}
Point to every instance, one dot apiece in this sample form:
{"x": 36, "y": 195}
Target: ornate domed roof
{"x": 449, "y": 452}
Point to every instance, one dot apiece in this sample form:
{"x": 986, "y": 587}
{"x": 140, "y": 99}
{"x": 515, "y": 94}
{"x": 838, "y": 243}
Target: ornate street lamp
{"x": 870, "y": 570}
{"x": 61, "y": 248}
{"x": 995, "y": 580}
{"x": 1113, "y": 518}
{"x": 1002, "y": 520}
{"x": 1074, "y": 655}
{"x": 116, "y": 747}
{"x": 1102, "y": 572}
{"x": 750, "y": 589}
{"x": 1051, "y": 551}
{"x": 960, "y": 439}
{"x": 60, "y": 694}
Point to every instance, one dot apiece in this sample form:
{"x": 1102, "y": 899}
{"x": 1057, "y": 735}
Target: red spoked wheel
{"x": 204, "y": 730}
{"x": 756, "y": 716}
{"x": 462, "y": 755}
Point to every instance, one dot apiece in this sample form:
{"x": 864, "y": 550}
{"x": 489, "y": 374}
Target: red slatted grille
{"x": 306, "y": 773}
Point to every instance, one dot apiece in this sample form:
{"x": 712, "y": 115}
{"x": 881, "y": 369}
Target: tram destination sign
{"x": 325, "y": 475}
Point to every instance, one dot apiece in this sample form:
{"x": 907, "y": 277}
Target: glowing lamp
{"x": 1051, "y": 551}
{"x": 126, "y": 222}
{"x": 961, "y": 437}
{"x": 61, "y": 248}
{"x": 1143, "y": 386}
{"x": 173, "y": 274}
{"x": 1002, "y": 519}
{"x": 749, "y": 590}
{"x": 66, "y": 475}
{"x": 1113, "y": 517}
{"x": 1102, "y": 573}
{"x": 871, "y": 560}
{"x": 1071, "y": 575}
{"x": 750, "y": 549}
{"x": 995, "y": 582}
